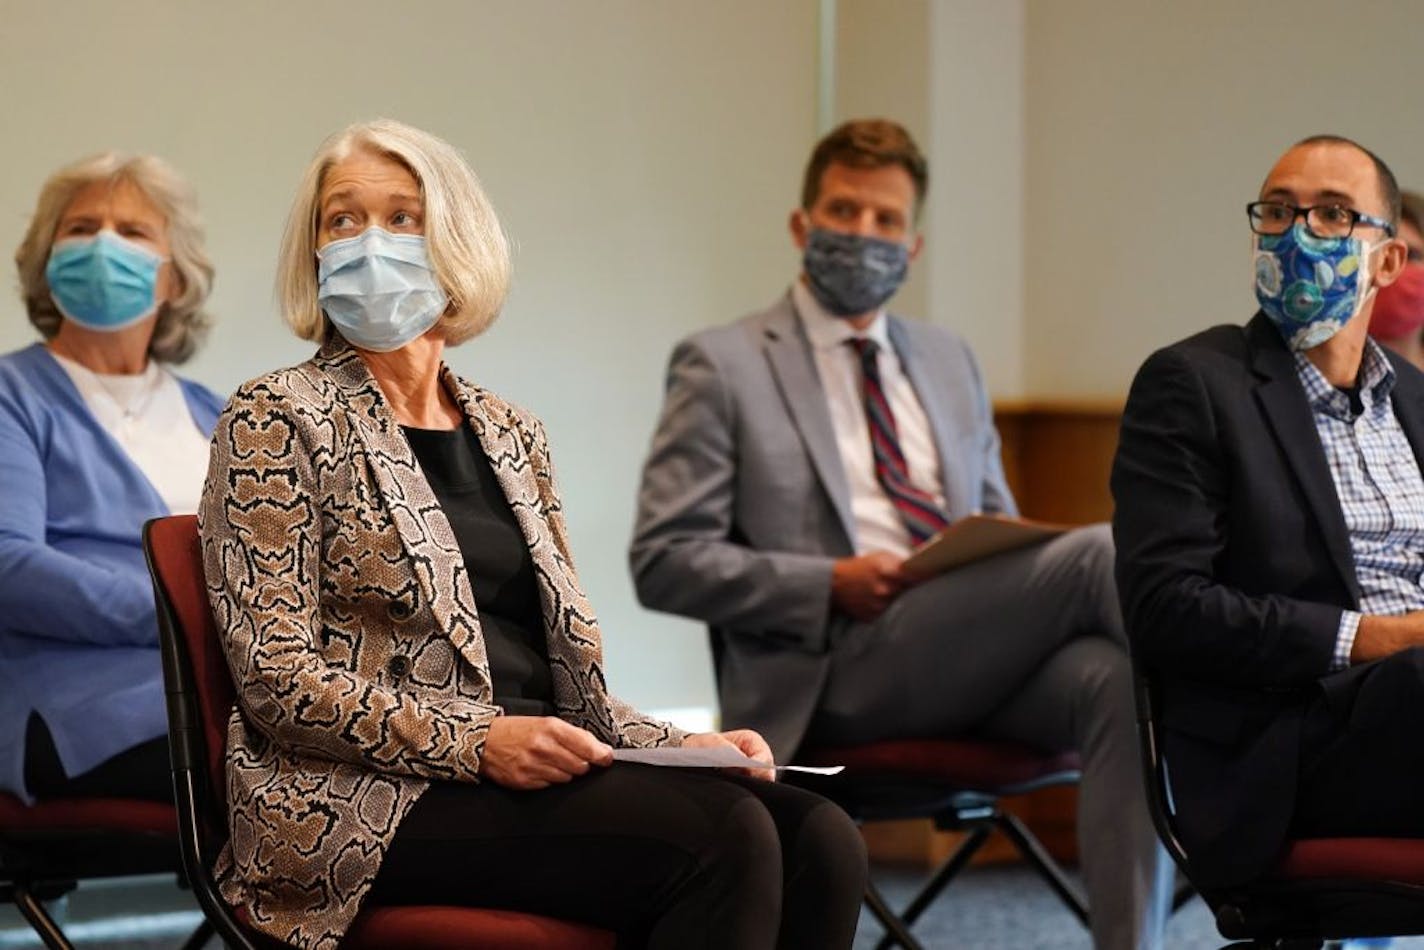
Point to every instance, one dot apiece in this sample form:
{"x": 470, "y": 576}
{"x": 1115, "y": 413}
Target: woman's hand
{"x": 745, "y": 741}
{"x": 530, "y": 752}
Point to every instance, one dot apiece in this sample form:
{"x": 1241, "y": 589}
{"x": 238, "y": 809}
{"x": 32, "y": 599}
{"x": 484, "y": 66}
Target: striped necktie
{"x": 917, "y": 508}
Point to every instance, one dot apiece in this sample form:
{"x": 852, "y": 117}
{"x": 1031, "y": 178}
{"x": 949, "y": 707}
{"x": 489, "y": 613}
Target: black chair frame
{"x": 48, "y": 865}
{"x": 188, "y": 748}
{"x": 870, "y": 798}
{"x": 1274, "y": 914}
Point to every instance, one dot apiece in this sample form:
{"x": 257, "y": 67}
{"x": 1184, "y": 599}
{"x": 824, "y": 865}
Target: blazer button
{"x": 399, "y": 610}
{"x": 398, "y": 666}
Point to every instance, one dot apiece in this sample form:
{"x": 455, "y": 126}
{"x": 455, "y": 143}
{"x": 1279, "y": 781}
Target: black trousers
{"x": 667, "y": 858}
{"x": 142, "y": 771}
{"x": 1362, "y": 757}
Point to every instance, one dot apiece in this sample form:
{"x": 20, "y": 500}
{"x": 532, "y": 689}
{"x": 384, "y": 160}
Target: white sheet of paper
{"x": 717, "y": 757}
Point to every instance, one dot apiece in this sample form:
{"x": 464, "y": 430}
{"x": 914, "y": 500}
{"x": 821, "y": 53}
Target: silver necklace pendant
{"x": 129, "y": 409}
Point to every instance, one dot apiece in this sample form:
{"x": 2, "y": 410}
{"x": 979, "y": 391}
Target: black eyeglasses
{"x": 1322, "y": 221}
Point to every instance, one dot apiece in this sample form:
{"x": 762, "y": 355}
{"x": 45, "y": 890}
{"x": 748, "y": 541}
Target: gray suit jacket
{"x": 745, "y": 504}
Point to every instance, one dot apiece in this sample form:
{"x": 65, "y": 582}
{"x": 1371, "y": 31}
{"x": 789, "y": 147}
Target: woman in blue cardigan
{"x": 96, "y": 437}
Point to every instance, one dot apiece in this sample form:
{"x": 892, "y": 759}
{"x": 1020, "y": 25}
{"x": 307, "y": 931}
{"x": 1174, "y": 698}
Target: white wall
{"x": 1151, "y": 125}
{"x": 882, "y": 64}
{"x": 642, "y": 155}
{"x": 1090, "y": 160}
{"x": 1089, "y": 163}
{"x": 975, "y": 238}
{"x": 951, "y": 72}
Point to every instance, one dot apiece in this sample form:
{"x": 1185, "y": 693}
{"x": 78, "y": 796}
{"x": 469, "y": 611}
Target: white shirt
{"x": 149, "y": 418}
{"x": 876, "y": 521}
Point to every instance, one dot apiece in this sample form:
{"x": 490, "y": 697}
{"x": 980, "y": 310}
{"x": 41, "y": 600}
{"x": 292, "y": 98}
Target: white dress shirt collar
{"x": 826, "y": 331}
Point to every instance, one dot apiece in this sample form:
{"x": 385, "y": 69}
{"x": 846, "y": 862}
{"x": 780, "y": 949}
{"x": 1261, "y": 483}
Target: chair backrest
{"x": 200, "y": 702}
{"x": 198, "y": 674}
{"x": 1154, "y": 768}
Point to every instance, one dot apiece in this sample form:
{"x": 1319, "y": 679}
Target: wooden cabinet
{"x": 1057, "y": 457}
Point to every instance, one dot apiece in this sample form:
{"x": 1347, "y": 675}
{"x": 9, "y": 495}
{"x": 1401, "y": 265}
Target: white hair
{"x": 468, "y": 249}
{"x": 182, "y": 323}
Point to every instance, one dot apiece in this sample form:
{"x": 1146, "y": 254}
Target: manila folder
{"x": 975, "y": 537}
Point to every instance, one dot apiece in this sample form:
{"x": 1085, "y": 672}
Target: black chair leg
{"x": 199, "y": 938}
{"x": 38, "y": 918}
{"x": 1048, "y": 868}
{"x": 947, "y": 872}
{"x": 895, "y": 930}
{"x": 1182, "y": 895}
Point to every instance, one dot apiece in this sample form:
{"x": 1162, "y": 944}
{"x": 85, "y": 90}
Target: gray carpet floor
{"x": 1010, "y": 908}
{"x": 987, "y": 909}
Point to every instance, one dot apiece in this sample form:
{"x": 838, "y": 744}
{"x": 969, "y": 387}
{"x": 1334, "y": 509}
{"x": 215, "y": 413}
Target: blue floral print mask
{"x": 378, "y": 289}
{"x": 850, "y": 274}
{"x": 1310, "y": 287}
{"x": 104, "y": 282}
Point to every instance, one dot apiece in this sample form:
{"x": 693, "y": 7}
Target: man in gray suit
{"x": 803, "y": 451}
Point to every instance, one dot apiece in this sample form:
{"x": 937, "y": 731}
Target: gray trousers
{"x": 1027, "y": 646}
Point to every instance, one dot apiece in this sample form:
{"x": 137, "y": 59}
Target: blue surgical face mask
{"x": 378, "y": 289}
{"x": 1311, "y": 287}
{"x": 850, "y": 274}
{"x": 104, "y": 282}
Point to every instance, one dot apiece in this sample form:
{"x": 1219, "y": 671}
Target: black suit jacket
{"x": 1234, "y": 565}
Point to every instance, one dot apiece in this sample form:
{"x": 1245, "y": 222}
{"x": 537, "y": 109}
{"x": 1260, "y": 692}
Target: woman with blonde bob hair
{"x": 421, "y": 710}
{"x": 96, "y": 437}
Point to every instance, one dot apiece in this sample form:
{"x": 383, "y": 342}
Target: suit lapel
{"x": 1288, "y": 412}
{"x": 953, "y": 474}
{"x": 1408, "y": 401}
{"x": 424, "y": 531}
{"x": 789, "y": 354}
{"x": 529, "y": 489}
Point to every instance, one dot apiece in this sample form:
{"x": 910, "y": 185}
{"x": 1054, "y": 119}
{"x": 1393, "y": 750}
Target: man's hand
{"x": 745, "y": 741}
{"x": 1379, "y": 637}
{"x": 864, "y": 586}
{"x": 529, "y": 752}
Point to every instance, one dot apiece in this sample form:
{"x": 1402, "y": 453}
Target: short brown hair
{"x": 1388, "y": 185}
{"x": 1411, "y": 209}
{"x": 866, "y": 143}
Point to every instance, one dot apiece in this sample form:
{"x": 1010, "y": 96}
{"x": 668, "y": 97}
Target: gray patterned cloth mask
{"x": 850, "y": 274}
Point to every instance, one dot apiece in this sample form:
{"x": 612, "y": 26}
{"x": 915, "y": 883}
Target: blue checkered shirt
{"x": 1380, "y": 488}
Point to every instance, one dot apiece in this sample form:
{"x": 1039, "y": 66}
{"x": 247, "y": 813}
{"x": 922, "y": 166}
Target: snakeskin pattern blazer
{"x": 352, "y": 633}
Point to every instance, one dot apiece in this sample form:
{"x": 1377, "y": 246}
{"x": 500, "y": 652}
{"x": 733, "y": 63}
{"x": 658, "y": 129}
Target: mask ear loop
{"x": 1366, "y": 252}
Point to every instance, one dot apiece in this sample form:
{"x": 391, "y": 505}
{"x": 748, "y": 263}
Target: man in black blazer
{"x": 1270, "y": 536}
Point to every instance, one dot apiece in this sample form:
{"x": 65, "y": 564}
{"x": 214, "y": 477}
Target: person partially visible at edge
{"x": 804, "y": 450}
{"x": 1397, "y": 320}
{"x": 97, "y": 435}
{"x": 1270, "y": 531}
{"x": 421, "y": 712}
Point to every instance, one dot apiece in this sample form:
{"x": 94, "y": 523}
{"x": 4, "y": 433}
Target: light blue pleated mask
{"x": 378, "y": 289}
{"x": 104, "y": 282}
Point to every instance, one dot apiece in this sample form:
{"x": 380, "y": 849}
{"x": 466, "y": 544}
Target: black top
{"x": 498, "y": 562}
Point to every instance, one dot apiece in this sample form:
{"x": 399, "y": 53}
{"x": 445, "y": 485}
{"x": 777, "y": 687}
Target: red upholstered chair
{"x": 958, "y": 784}
{"x": 1322, "y": 888}
{"x": 46, "y": 849}
{"x": 200, "y": 698}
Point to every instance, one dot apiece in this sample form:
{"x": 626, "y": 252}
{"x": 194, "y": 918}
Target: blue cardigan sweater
{"x": 78, "y": 631}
